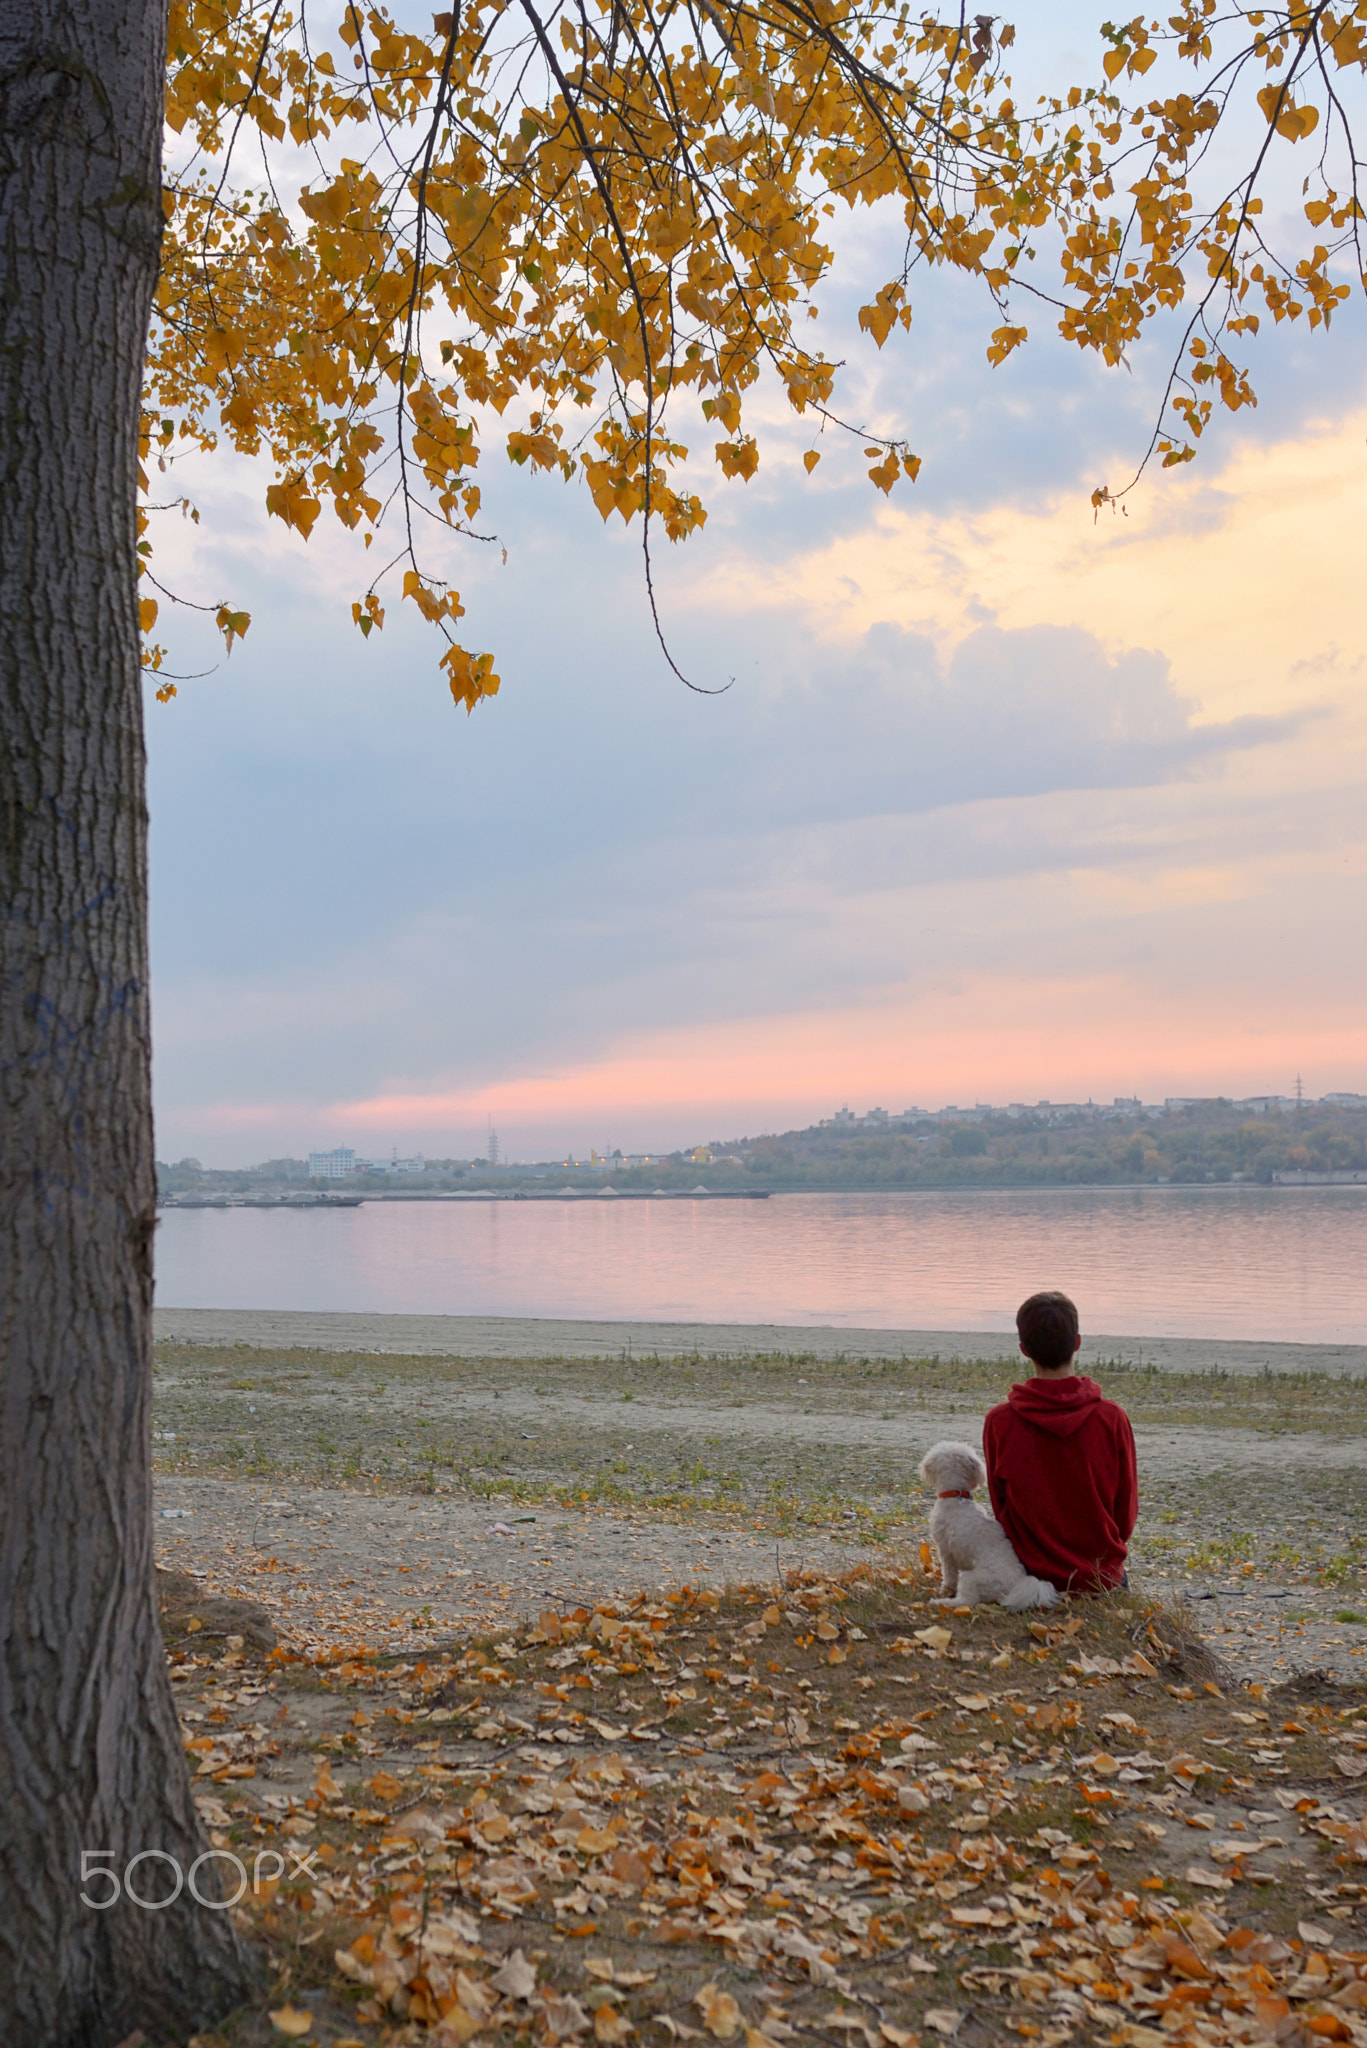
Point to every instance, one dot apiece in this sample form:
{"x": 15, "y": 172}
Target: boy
{"x": 1060, "y": 1460}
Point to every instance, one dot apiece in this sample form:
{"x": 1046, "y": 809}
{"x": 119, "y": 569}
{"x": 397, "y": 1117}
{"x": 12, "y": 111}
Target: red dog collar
{"x": 956, "y": 1493}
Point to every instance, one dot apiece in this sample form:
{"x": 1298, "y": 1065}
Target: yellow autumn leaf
{"x": 1287, "y": 117}
{"x": 595, "y": 1841}
{"x": 672, "y": 241}
{"x": 293, "y": 2021}
{"x": 292, "y": 503}
{"x": 1004, "y": 340}
{"x": 458, "y": 2026}
{"x": 738, "y": 458}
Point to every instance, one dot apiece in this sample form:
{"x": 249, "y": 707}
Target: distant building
{"x": 335, "y": 1165}
{"x": 342, "y": 1162}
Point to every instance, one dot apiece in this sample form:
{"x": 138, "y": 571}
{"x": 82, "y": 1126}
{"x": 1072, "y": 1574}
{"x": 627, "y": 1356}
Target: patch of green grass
{"x": 1336, "y": 1571}
{"x": 1350, "y": 1614}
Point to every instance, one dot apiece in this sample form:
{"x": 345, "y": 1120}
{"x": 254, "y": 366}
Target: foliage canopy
{"x": 568, "y": 211}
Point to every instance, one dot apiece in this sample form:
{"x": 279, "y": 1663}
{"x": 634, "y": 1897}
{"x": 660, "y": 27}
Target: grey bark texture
{"x": 90, "y": 1753}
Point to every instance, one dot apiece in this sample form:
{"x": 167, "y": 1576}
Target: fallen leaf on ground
{"x": 564, "y": 2018}
{"x": 720, "y": 2013}
{"x": 517, "y": 1978}
{"x": 293, "y": 2020}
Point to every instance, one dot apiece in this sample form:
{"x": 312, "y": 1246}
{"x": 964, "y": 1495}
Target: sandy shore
{"x": 542, "y": 1337}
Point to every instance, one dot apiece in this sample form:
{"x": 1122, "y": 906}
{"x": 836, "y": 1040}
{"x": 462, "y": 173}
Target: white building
{"x": 334, "y": 1165}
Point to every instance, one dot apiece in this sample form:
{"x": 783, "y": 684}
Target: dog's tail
{"x": 1031, "y": 1593}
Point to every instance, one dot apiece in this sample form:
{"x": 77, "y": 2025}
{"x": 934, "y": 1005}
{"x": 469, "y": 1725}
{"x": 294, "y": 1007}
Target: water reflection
{"x": 1278, "y": 1264}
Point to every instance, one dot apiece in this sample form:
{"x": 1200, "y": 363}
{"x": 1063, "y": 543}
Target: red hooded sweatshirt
{"x": 1061, "y": 1475}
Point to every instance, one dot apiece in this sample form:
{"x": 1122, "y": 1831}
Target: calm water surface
{"x": 1280, "y": 1264}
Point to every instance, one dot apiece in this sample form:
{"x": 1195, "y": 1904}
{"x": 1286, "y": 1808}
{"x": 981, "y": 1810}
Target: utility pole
{"x": 1300, "y": 1105}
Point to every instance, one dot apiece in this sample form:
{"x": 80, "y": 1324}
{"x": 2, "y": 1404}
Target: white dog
{"x": 977, "y": 1561}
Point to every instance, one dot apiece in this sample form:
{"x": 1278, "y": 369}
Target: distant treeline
{"x": 1207, "y": 1142}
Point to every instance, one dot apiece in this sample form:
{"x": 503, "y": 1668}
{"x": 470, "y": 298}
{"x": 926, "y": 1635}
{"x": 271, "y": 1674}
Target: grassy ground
{"x": 784, "y": 1442}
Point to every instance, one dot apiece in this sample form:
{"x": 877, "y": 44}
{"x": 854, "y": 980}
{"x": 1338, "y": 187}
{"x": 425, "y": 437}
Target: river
{"x": 1279, "y": 1264}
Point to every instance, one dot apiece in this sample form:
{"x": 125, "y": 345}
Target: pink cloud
{"x": 988, "y": 1040}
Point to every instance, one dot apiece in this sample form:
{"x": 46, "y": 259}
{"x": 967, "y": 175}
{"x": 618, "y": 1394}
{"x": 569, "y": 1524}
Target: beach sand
{"x": 544, "y": 1337}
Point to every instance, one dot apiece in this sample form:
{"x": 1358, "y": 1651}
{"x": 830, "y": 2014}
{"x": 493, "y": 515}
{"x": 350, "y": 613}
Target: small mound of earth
{"x": 188, "y": 1609}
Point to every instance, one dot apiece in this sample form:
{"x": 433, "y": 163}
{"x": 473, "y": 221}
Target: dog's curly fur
{"x": 977, "y": 1562}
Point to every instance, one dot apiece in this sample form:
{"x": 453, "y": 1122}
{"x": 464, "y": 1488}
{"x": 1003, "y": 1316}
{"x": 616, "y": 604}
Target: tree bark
{"x": 90, "y": 1753}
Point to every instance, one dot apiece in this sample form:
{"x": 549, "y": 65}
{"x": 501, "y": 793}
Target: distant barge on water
{"x": 261, "y": 1202}
{"x": 468, "y": 1195}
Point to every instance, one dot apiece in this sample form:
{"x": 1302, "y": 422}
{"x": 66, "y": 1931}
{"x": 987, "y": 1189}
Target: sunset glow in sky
{"x": 1005, "y": 801}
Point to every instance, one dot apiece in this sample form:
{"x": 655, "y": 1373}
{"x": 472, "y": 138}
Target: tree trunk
{"x": 90, "y": 1753}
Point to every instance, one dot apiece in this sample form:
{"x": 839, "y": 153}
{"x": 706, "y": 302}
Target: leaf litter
{"x": 830, "y": 1808}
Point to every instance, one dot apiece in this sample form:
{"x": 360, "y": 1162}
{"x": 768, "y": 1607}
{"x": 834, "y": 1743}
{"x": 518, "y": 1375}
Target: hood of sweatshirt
{"x": 1060, "y": 1406}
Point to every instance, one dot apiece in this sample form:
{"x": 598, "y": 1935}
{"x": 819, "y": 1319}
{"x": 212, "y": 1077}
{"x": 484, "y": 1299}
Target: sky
{"x": 1005, "y": 800}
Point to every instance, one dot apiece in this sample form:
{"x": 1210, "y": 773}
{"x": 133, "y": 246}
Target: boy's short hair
{"x": 1047, "y": 1326}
